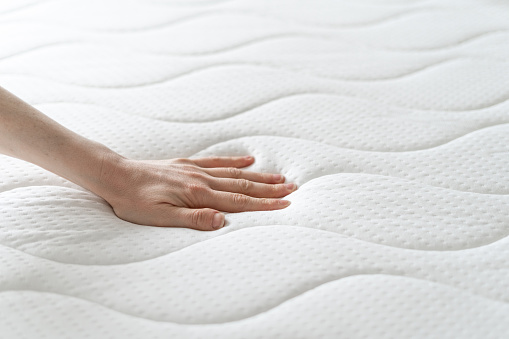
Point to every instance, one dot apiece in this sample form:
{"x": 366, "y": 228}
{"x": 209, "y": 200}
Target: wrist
{"x": 109, "y": 175}
{"x": 87, "y": 163}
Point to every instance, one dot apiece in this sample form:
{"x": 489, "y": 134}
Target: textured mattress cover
{"x": 391, "y": 116}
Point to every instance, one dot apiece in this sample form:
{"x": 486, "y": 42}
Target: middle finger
{"x": 235, "y": 173}
{"x": 251, "y": 188}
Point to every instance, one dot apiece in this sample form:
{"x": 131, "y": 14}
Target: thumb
{"x": 202, "y": 219}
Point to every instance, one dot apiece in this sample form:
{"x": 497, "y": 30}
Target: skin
{"x": 175, "y": 192}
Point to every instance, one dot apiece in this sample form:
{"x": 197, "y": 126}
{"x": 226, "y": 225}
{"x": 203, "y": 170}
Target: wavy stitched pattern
{"x": 391, "y": 116}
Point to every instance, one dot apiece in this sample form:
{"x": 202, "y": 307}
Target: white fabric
{"x": 391, "y": 116}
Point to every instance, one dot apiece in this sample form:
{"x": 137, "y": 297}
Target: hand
{"x": 179, "y": 192}
{"x": 189, "y": 193}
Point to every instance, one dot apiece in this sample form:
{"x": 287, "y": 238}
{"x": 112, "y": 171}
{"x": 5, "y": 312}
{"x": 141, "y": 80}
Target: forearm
{"x": 27, "y": 134}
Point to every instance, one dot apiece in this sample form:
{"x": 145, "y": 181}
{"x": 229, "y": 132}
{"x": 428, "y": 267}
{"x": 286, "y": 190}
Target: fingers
{"x": 237, "y": 202}
{"x": 236, "y": 173}
{"x": 236, "y": 162}
{"x": 251, "y": 188}
{"x": 202, "y": 219}
{"x": 228, "y": 167}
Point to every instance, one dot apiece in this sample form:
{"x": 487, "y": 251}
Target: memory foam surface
{"x": 391, "y": 116}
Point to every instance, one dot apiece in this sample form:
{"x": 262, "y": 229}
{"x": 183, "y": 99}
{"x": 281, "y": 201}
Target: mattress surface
{"x": 392, "y": 117}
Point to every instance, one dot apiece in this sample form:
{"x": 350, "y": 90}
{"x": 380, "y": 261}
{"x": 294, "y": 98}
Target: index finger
{"x": 237, "y": 162}
{"x": 235, "y": 173}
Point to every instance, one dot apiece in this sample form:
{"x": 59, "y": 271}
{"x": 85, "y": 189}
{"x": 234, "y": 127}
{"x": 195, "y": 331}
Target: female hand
{"x": 179, "y": 192}
{"x": 189, "y": 193}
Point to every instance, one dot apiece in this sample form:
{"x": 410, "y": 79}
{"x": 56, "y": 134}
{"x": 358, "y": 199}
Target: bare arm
{"x": 175, "y": 192}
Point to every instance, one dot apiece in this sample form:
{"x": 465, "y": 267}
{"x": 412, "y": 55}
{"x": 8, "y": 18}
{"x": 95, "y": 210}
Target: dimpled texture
{"x": 392, "y": 117}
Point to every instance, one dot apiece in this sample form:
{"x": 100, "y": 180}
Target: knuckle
{"x": 182, "y": 160}
{"x": 195, "y": 175}
{"x": 244, "y": 185}
{"x": 195, "y": 188}
{"x": 198, "y": 218}
{"x": 188, "y": 167}
{"x": 240, "y": 200}
{"x": 267, "y": 202}
{"x": 234, "y": 172}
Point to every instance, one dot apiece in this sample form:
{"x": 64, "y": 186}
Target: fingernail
{"x": 218, "y": 221}
{"x": 278, "y": 177}
{"x": 249, "y": 158}
{"x": 285, "y": 202}
{"x": 290, "y": 187}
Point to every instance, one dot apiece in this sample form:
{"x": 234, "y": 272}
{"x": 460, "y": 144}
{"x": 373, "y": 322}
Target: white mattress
{"x": 392, "y": 117}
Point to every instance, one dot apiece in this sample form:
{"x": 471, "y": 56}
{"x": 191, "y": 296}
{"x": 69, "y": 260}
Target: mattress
{"x": 391, "y": 116}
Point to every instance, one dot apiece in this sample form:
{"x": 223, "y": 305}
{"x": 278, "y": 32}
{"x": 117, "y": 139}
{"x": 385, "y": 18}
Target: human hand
{"x": 178, "y": 192}
{"x": 189, "y": 192}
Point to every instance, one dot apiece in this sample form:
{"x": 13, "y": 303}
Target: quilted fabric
{"x": 392, "y": 117}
